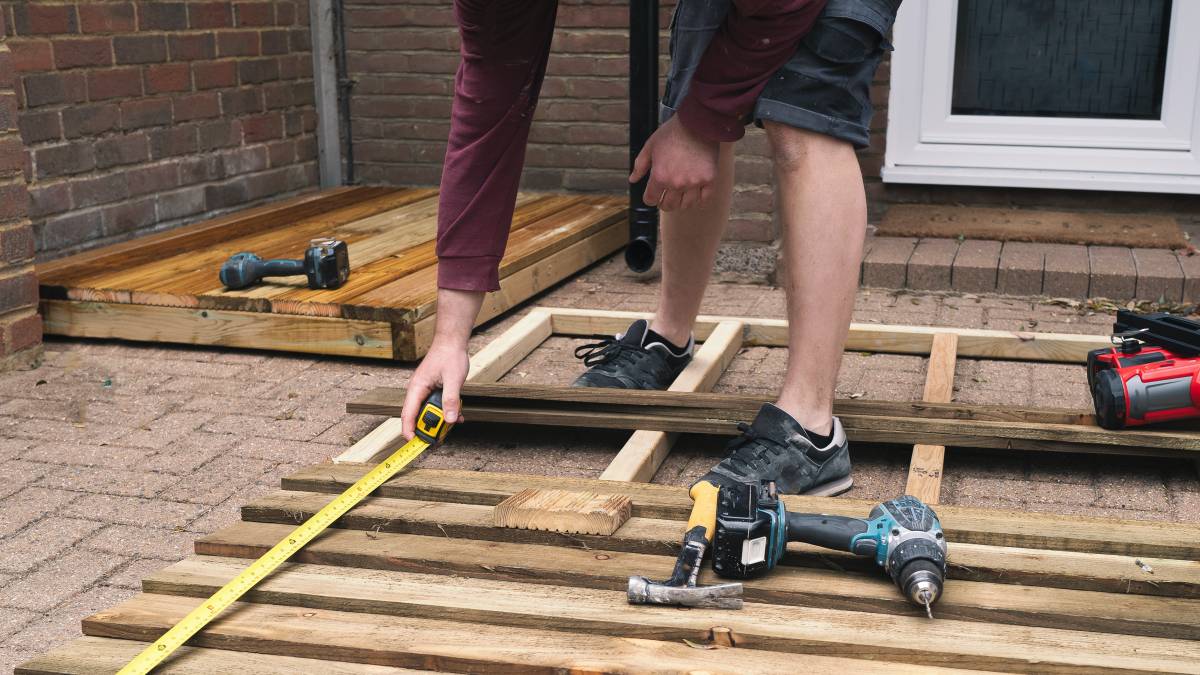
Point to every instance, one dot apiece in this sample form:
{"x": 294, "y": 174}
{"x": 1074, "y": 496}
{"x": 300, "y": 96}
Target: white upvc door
{"x": 927, "y": 143}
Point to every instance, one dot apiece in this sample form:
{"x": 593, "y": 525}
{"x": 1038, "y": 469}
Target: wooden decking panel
{"x": 390, "y": 233}
{"x": 421, "y": 577}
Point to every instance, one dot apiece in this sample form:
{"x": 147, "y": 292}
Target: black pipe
{"x": 344, "y": 86}
{"x": 643, "y": 120}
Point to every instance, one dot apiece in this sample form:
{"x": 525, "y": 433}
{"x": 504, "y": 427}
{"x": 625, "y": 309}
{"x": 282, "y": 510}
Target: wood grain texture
{"x": 645, "y": 451}
{"x": 439, "y": 644}
{"x": 250, "y": 330}
{"x": 878, "y": 421}
{"x": 604, "y": 568}
{"x": 925, "y": 468}
{"x": 563, "y": 511}
{"x": 784, "y": 628}
{"x": 390, "y": 233}
{"x": 963, "y": 525}
{"x": 100, "y": 656}
{"x": 972, "y": 342}
{"x": 987, "y": 562}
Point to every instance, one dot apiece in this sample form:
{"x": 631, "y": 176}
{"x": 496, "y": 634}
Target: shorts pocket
{"x": 845, "y": 40}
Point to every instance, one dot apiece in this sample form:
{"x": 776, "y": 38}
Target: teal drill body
{"x": 903, "y": 536}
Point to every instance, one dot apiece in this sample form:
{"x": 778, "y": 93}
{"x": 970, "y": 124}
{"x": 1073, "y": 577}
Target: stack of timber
{"x": 923, "y": 422}
{"x": 420, "y": 577}
{"x": 164, "y": 287}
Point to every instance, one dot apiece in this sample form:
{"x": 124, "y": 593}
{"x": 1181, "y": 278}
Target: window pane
{"x": 1061, "y": 58}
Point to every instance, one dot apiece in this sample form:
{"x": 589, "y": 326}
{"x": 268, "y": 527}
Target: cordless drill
{"x": 903, "y": 535}
{"x": 326, "y": 263}
{"x": 1150, "y": 374}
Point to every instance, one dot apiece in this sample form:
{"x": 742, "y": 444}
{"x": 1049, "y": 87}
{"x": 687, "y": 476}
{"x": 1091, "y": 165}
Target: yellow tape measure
{"x": 431, "y": 428}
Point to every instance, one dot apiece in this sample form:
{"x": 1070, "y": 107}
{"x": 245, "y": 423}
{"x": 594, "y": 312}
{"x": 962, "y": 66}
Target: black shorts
{"x": 825, "y": 87}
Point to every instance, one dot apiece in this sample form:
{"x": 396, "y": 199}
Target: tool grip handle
{"x": 704, "y": 509}
{"x": 431, "y": 420}
{"x": 280, "y": 268}
{"x": 835, "y": 532}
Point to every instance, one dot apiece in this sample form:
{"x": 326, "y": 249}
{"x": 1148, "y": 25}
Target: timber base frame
{"x": 420, "y": 577}
{"x": 164, "y": 288}
{"x": 931, "y": 425}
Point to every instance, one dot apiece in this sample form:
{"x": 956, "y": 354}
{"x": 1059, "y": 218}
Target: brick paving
{"x": 1021, "y": 268}
{"x": 117, "y": 456}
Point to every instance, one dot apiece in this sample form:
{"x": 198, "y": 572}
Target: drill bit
{"x": 925, "y": 599}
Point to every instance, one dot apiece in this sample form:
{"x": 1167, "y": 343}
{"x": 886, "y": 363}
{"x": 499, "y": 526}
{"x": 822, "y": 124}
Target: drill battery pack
{"x": 1151, "y": 374}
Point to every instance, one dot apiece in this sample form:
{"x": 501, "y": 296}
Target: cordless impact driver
{"x": 903, "y": 536}
{"x": 326, "y": 264}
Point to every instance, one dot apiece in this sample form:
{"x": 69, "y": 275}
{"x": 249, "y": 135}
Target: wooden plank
{"x": 645, "y": 451}
{"x": 487, "y": 365}
{"x": 963, "y": 525}
{"x": 567, "y": 564}
{"x": 720, "y": 414}
{"x": 95, "y": 655}
{"x": 525, "y": 283}
{"x": 322, "y": 32}
{"x": 563, "y": 511}
{"x": 972, "y": 342}
{"x": 445, "y": 645}
{"x": 1114, "y": 572}
{"x": 796, "y": 629}
{"x": 281, "y": 332}
{"x": 925, "y": 468}
{"x": 63, "y": 272}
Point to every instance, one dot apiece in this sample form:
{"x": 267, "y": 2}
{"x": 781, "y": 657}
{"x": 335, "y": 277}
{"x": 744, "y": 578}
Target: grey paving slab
{"x": 976, "y": 267}
{"x": 1114, "y": 275}
{"x": 1067, "y": 271}
{"x": 1159, "y": 275}
{"x": 1020, "y": 268}
{"x": 931, "y": 263}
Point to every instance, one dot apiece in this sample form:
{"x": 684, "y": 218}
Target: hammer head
{"x": 642, "y": 591}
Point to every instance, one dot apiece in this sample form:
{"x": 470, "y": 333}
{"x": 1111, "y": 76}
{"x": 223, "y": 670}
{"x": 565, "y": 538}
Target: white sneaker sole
{"x": 832, "y": 488}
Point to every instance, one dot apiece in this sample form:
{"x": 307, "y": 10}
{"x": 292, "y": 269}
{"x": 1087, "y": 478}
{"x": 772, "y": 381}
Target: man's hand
{"x": 682, "y": 167}
{"x": 446, "y": 363}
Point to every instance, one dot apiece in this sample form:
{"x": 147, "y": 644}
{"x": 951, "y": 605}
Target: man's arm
{"x": 505, "y": 47}
{"x": 757, "y": 38}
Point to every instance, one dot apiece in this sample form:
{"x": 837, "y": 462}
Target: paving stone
{"x": 18, "y": 473}
{"x": 1132, "y": 492}
{"x": 245, "y": 426}
{"x": 13, "y": 620}
{"x": 976, "y": 267}
{"x": 43, "y": 540}
{"x": 60, "y": 431}
{"x": 105, "y": 480}
{"x": 1187, "y": 506}
{"x": 1113, "y": 273}
{"x": 887, "y": 263}
{"x": 220, "y": 479}
{"x": 929, "y": 266}
{"x": 281, "y": 450}
{"x": 1020, "y": 269}
{"x": 114, "y": 456}
{"x": 130, "y": 577}
{"x": 165, "y": 430}
{"x": 222, "y": 515}
{"x": 64, "y": 622}
{"x": 1067, "y": 271}
{"x": 1190, "y": 264}
{"x": 349, "y": 431}
{"x": 131, "y": 540}
{"x": 1159, "y": 275}
{"x": 190, "y": 452}
{"x": 134, "y": 510}
{"x": 27, "y": 505}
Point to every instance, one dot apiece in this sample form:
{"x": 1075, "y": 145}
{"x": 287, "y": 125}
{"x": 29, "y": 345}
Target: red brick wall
{"x": 404, "y": 54}
{"x": 20, "y": 326}
{"x": 144, "y": 115}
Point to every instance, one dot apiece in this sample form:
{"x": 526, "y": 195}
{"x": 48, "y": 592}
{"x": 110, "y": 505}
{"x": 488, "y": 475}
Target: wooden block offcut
{"x": 564, "y": 511}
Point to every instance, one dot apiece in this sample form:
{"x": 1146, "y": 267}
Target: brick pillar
{"x": 20, "y": 325}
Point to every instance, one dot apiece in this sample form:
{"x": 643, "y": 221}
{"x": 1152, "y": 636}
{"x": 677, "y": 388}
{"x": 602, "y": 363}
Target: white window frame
{"x": 927, "y": 144}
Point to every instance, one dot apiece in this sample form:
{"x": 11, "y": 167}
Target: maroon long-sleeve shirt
{"x": 505, "y": 47}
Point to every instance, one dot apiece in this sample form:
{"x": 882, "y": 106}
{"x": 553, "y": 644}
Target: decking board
{"x": 390, "y": 233}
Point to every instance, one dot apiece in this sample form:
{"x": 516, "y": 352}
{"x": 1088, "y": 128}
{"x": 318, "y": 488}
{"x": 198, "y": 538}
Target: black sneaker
{"x": 627, "y": 362}
{"x": 777, "y": 448}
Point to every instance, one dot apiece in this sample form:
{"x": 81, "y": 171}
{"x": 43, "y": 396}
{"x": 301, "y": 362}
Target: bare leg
{"x": 823, "y": 213}
{"x": 689, "y": 247}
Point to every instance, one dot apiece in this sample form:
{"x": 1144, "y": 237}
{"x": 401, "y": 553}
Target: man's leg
{"x": 690, "y": 239}
{"x": 823, "y": 212}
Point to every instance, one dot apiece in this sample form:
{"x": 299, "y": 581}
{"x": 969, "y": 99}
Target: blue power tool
{"x": 903, "y": 536}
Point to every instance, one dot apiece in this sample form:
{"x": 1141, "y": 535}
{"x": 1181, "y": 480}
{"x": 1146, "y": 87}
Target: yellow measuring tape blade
{"x": 198, "y": 618}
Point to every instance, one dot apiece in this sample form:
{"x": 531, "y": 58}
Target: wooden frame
{"x": 721, "y": 339}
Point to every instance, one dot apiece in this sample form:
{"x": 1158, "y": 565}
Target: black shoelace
{"x": 747, "y": 451}
{"x": 608, "y": 350}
